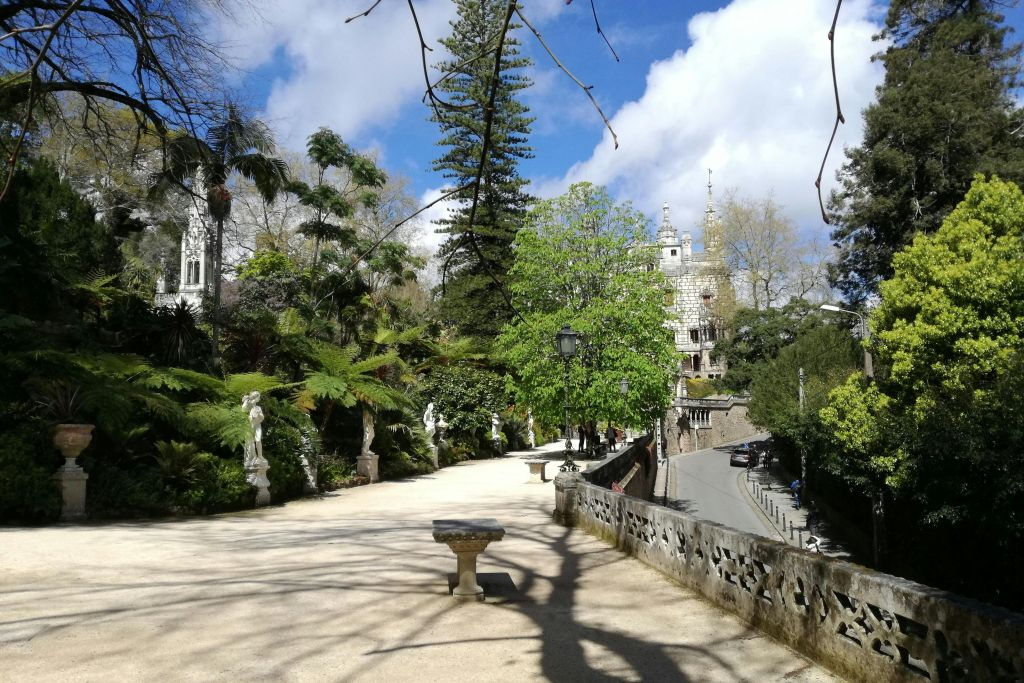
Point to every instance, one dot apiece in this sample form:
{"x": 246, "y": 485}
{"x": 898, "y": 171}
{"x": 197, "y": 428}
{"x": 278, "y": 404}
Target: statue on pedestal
{"x": 256, "y": 465}
{"x": 496, "y": 431}
{"x": 529, "y": 429}
{"x": 428, "y": 421}
{"x": 442, "y": 427}
{"x": 367, "y": 461}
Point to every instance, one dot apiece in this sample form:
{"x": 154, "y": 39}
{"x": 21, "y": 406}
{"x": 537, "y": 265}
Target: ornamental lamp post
{"x": 869, "y": 370}
{"x": 624, "y": 390}
{"x": 565, "y": 342}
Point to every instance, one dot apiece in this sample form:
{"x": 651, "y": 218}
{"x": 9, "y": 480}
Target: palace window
{"x": 700, "y": 417}
{"x": 192, "y": 272}
{"x": 673, "y": 252}
{"x": 694, "y": 335}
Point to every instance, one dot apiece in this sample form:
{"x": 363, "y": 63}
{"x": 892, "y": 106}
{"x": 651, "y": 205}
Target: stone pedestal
{"x": 71, "y": 440}
{"x": 71, "y": 479}
{"x": 565, "y": 497}
{"x": 433, "y": 456}
{"x": 467, "y": 538}
{"x": 256, "y": 475}
{"x": 537, "y": 471}
{"x": 366, "y": 466}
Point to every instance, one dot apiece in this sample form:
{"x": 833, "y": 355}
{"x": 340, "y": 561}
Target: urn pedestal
{"x": 366, "y": 466}
{"x": 71, "y": 440}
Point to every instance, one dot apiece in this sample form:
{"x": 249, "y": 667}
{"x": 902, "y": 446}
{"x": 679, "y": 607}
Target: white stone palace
{"x": 196, "y": 278}
{"x": 695, "y": 279}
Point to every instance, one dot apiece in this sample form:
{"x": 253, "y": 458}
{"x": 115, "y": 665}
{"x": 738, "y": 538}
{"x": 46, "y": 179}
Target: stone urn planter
{"x": 71, "y": 440}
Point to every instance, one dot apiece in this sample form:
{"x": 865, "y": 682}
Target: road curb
{"x": 741, "y": 482}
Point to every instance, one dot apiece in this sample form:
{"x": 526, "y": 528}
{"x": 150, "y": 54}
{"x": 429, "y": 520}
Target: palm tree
{"x": 236, "y": 144}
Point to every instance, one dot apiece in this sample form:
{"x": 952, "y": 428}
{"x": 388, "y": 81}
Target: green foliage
{"x": 828, "y": 356}
{"x": 757, "y": 336}
{"x": 941, "y": 428}
{"x": 472, "y": 302}
{"x": 699, "y": 388}
{"x": 466, "y": 396}
{"x": 28, "y": 493}
{"x": 579, "y": 262}
{"x": 266, "y": 263}
{"x": 944, "y": 112}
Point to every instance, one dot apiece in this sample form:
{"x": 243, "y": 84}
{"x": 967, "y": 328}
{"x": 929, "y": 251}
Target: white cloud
{"x": 427, "y": 240}
{"x": 752, "y": 99}
{"x": 350, "y": 77}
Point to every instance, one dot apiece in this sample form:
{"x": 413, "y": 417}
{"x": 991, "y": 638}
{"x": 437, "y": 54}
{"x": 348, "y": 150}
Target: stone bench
{"x": 537, "y": 474}
{"x": 467, "y": 538}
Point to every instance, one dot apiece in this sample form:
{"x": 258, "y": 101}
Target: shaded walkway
{"x": 352, "y": 587}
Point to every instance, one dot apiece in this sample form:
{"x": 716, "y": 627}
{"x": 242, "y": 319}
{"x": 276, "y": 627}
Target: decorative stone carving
{"x": 310, "y": 470}
{"x": 467, "y": 538}
{"x": 529, "y": 429}
{"x": 71, "y": 440}
{"x": 442, "y": 427}
{"x": 367, "y": 461}
{"x": 862, "y": 624}
{"x": 256, "y": 465}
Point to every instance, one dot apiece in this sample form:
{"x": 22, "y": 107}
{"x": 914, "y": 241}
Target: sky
{"x": 742, "y": 87}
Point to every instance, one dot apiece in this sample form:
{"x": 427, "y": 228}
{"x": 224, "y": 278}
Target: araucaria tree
{"x": 580, "y": 261}
{"x": 478, "y": 256}
{"x": 944, "y": 112}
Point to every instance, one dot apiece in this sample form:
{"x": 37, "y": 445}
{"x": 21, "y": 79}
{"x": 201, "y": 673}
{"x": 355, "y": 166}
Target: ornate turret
{"x": 712, "y": 225}
{"x": 666, "y": 233}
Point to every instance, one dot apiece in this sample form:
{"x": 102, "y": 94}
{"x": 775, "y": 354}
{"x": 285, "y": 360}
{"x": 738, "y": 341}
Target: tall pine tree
{"x": 943, "y": 113}
{"x": 473, "y": 302}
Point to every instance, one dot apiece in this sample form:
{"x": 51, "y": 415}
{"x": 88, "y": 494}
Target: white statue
{"x": 442, "y": 427}
{"x": 495, "y": 427}
{"x": 256, "y": 465}
{"x": 368, "y": 432}
{"x": 529, "y": 429}
{"x": 428, "y": 421}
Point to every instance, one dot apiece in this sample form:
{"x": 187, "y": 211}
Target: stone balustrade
{"x": 633, "y": 468}
{"x": 863, "y": 624}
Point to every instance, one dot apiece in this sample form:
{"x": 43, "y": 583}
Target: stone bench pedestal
{"x": 537, "y": 474}
{"x": 467, "y": 538}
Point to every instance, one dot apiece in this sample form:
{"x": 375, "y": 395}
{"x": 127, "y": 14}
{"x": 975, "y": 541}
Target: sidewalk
{"x": 352, "y": 587}
{"x": 770, "y": 493}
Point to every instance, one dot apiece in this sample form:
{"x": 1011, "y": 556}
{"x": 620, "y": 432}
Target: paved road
{"x": 703, "y": 484}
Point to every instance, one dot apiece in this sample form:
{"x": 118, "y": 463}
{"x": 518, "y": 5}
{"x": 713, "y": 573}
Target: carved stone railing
{"x": 860, "y": 623}
{"x": 633, "y": 468}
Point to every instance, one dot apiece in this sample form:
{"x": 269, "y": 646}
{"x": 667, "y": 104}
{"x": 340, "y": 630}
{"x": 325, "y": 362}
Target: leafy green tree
{"x": 473, "y": 301}
{"x": 580, "y": 262}
{"x": 233, "y": 144}
{"x": 827, "y": 355}
{"x": 756, "y": 337}
{"x": 944, "y": 112}
{"x": 949, "y": 339}
{"x": 331, "y": 207}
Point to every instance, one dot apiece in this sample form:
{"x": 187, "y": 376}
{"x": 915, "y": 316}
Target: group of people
{"x": 588, "y": 438}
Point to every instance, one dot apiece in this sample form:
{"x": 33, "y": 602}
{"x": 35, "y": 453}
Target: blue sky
{"x": 742, "y": 86}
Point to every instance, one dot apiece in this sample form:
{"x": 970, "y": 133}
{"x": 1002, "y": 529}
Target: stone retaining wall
{"x": 860, "y": 623}
{"x": 634, "y": 468}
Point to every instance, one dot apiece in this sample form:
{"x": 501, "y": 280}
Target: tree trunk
{"x": 217, "y": 262}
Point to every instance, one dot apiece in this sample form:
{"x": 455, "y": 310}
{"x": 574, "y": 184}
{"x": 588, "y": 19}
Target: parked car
{"x": 743, "y": 456}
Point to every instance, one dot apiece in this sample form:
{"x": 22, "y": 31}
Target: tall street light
{"x": 623, "y": 389}
{"x": 565, "y": 342}
{"x": 869, "y": 370}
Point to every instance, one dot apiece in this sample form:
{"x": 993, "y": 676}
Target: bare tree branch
{"x": 839, "y": 112}
{"x": 586, "y": 88}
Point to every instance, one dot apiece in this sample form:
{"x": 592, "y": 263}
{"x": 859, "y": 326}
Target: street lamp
{"x": 869, "y": 369}
{"x": 623, "y": 389}
{"x": 565, "y": 342}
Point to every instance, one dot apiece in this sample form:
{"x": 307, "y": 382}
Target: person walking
{"x": 795, "y": 488}
{"x": 610, "y": 435}
{"x": 583, "y": 437}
